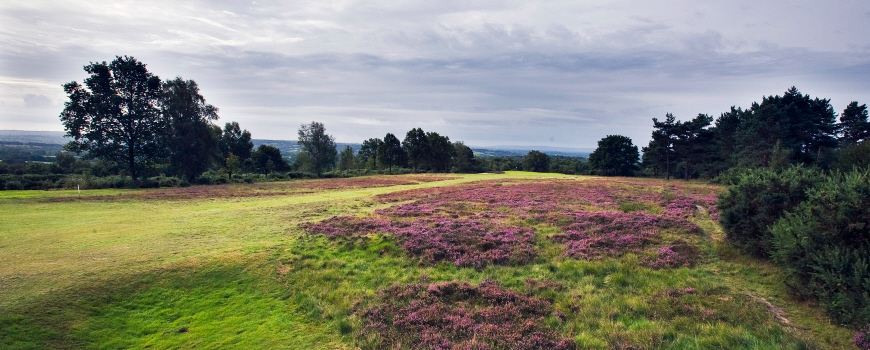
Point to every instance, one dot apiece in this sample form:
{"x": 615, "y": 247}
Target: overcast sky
{"x": 531, "y": 73}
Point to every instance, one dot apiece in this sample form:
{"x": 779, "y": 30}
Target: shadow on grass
{"x": 210, "y": 304}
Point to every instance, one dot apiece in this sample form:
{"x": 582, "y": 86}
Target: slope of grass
{"x": 143, "y": 269}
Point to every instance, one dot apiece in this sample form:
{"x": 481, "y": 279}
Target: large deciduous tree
{"x": 440, "y": 152}
{"x": 319, "y": 146}
{"x": 391, "y": 152}
{"x": 616, "y": 155}
{"x": 368, "y": 154}
{"x": 191, "y": 143}
{"x": 416, "y": 146}
{"x": 536, "y": 161}
{"x": 115, "y": 115}
{"x": 237, "y": 142}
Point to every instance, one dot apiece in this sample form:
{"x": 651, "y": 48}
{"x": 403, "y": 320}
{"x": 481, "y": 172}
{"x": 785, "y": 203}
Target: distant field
{"x": 413, "y": 261}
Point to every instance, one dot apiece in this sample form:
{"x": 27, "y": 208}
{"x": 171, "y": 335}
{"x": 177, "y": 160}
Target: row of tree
{"x": 421, "y": 151}
{"x": 781, "y": 130}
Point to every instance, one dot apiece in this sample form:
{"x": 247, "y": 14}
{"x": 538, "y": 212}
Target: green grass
{"x": 117, "y": 272}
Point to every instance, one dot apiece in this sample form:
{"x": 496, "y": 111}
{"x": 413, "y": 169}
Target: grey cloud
{"x": 36, "y": 101}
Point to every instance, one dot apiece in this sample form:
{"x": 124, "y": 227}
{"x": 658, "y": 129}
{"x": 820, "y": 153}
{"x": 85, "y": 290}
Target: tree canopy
{"x": 115, "y": 115}
{"x": 319, "y": 146}
{"x": 616, "y": 155}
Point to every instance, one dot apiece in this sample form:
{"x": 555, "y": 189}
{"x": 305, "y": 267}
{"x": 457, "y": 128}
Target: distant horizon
{"x": 492, "y": 147}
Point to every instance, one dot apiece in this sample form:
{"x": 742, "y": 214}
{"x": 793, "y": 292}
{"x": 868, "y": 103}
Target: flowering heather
{"x": 527, "y": 197}
{"x": 467, "y": 242}
{"x": 464, "y": 242}
{"x": 679, "y": 254}
{"x": 458, "y": 315}
{"x": 862, "y": 338}
{"x": 348, "y": 226}
{"x": 593, "y": 235}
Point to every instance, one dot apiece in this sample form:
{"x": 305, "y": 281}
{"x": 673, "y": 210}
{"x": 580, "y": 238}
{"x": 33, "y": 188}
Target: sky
{"x": 527, "y": 73}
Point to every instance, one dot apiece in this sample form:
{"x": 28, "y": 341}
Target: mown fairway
{"x": 589, "y": 262}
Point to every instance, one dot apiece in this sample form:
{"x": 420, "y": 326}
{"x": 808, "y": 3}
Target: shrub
{"x": 862, "y": 338}
{"x": 824, "y": 246}
{"x": 756, "y": 198}
{"x": 458, "y": 315}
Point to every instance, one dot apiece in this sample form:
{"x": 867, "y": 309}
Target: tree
{"x": 190, "y": 142}
{"x": 693, "y": 143}
{"x": 416, "y": 146}
{"x": 346, "y": 160}
{"x": 391, "y": 152}
{"x": 805, "y": 126}
{"x": 660, "y": 151}
{"x": 115, "y": 115}
{"x": 853, "y": 124}
{"x": 463, "y": 160}
{"x": 440, "y": 152}
{"x": 319, "y": 146}
{"x": 616, "y": 155}
{"x": 369, "y": 152}
{"x": 236, "y": 141}
{"x": 536, "y": 161}
{"x": 267, "y": 159}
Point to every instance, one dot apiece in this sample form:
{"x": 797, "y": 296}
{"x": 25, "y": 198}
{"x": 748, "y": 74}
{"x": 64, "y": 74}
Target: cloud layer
{"x": 549, "y": 73}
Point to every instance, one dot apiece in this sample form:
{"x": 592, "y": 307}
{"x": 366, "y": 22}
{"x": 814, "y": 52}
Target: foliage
{"x": 441, "y": 151}
{"x": 804, "y": 125}
{"x": 416, "y": 146}
{"x": 192, "y": 143}
{"x": 862, "y": 338}
{"x": 756, "y": 199}
{"x": 616, "y": 155}
{"x": 824, "y": 246}
{"x": 115, "y": 116}
{"x": 267, "y": 159}
{"x": 660, "y": 154}
{"x": 319, "y": 146}
{"x": 536, "y": 161}
{"x": 236, "y": 141}
{"x": 369, "y": 152}
{"x": 391, "y": 153}
{"x": 346, "y": 160}
{"x": 463, "y": 160}
{"x": 458, "y": 315}
{"x": 852, "y": 156}
{"x": 854, "y": 125}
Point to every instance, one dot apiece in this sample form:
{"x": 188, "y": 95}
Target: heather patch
{"x": 532, "y": 200}
{"x": 463, "y": 242}
{"x": 862, "y": 338}
{"x": 593, "y": 235}
{"x": 679, "y": 254}
{"x": 458, "y": 315}
{"x": 348, "y": 226}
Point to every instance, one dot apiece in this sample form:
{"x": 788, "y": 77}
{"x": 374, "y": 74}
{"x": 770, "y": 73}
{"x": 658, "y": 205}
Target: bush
{"x": 824, "y": 246}
{"x": 862, "y": 338}
{"x": 756, "y": 198}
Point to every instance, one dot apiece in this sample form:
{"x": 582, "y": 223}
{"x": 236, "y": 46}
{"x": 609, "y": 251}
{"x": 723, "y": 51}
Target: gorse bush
{"x": 756, "y": 198}
{"x": 824, "y": 246}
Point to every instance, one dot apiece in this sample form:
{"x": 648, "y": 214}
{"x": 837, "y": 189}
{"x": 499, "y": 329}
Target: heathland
{"x": 501, "y": 261}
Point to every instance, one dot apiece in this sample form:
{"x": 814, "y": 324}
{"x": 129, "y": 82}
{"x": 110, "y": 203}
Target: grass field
{"x": 604, "y": 263}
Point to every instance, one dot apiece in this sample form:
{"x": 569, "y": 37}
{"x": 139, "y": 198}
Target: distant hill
{"x": 289, "y": 148}
{"x": 27, "y": 136}
{"x": 508, "y": 151}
